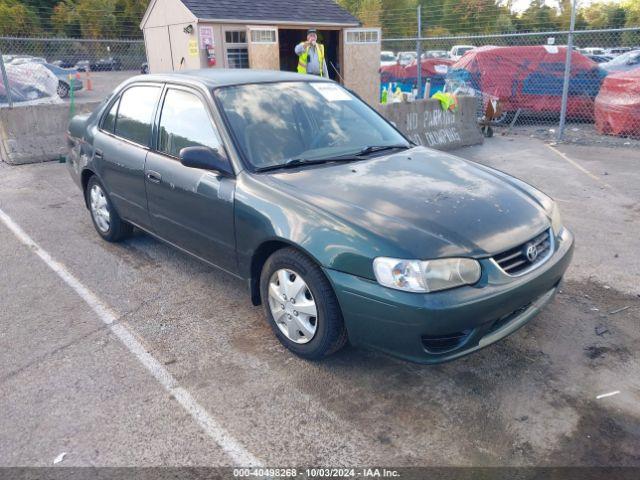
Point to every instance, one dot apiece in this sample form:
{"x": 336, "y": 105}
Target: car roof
{"x": 222, "y": 77}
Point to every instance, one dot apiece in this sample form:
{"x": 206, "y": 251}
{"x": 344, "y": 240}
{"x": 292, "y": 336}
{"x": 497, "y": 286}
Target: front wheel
{"x": 301, "y": 306}
{"x": 63, "y": 89}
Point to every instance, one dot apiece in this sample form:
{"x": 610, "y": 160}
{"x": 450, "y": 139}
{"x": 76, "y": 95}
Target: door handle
{"x": 153, "y": 177}
{"x": 97, "y": 153}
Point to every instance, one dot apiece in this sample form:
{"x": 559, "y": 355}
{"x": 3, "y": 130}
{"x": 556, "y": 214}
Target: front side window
{"x": 135, "y": 113}
{"x": 276, "y": 122}
{"x": 185, "y": 123}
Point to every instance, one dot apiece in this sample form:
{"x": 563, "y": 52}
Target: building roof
{"x": 222, "y": 77}
{"x": 272, "y": 11}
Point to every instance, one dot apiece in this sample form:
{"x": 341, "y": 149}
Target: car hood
{"x": 420, "y": 202}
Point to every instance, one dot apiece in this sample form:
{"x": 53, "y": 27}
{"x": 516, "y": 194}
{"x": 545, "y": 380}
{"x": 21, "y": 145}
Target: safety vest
{"x": 304, "y": 59}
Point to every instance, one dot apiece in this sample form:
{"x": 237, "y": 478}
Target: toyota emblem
{"x": 531, "y": 252}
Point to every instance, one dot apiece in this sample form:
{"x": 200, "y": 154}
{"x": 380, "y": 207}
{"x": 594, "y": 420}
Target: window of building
{"x": 363, "y": 36}
{"x": 185, "y": 123}
{"x": 135, "y": 113}
{"x": 235, "y": 36}
{"x": 238, "y": 57}
{"x": 263, "y": 35}
{"x": 236, "y": 51}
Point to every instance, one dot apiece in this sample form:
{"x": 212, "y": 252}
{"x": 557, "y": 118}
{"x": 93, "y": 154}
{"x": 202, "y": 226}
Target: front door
{"x": 190, "y": 207}
{"x": 121, "y": 145}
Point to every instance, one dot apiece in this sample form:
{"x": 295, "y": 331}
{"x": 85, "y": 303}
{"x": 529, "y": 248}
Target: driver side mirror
{"x": 205, "y": 158}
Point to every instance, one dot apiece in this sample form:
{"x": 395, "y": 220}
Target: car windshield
{"x": 387, "y": 57}
{"x": 463, "y": 50}
{"x": 275, "y": 123}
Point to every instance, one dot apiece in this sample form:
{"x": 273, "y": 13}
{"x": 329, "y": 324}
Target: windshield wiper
{"x": 349, "y": 157}
{"x": 380, "y": 148}
{"x": 296, "y": 162}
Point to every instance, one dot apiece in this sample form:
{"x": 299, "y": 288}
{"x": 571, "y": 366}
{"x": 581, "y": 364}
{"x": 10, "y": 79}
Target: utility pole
{"x": 567, "y": 73}
{"x": 419, "y": 51}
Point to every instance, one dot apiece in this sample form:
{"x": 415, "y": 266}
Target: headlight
{"x": 556, "y": 220}
{"x": 426, "y": 276}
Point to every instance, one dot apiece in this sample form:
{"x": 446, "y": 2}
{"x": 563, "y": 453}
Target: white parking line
{"x": 238, "y": 454}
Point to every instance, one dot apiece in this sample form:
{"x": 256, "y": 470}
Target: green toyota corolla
{"x": 342, "y": 229}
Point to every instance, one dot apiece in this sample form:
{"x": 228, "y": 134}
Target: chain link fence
{"x": 41, "y": 69}
{"x": 518, "y": 66}
{"x": 524, "y": 81}
{"x": 519, "y": 80}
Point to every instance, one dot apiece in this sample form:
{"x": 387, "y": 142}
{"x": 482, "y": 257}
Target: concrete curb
{"x": 427, "y": 124}
{"x": 36, "y": 133}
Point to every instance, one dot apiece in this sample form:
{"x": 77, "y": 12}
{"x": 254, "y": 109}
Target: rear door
{"x": 189, "y": 207}
{"x": 120, "y": 147}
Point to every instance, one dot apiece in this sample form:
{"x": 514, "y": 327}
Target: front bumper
{"x": 441, "y": 326}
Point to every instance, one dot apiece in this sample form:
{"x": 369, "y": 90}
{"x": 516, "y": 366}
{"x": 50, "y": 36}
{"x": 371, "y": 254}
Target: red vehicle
{"x": 529, "y": 78}
{"x": 617, "y": 106}
{"x": 435, "y": 69}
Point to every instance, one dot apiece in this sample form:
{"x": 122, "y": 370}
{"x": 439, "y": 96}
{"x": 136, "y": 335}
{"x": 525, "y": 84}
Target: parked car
{"x": 342, "y": 229}
{"x": 64, "y": 63}
{"x": 457, "y": 51}
{"x": 405, "y": 58}
{"x": 435, "y": 54}
{"x": 599, "y": 58}
{"x": 622, "y": 63}
{"x": 66, "y": 79}
{"x": 617, "y": 107}
{"x": 21, "y": 59}
{"x": 28, "y": 82}
{"x": 387, "y": 58}
{"x": 106, "y": 64}
{"x": 618, "y": 51}
{"x": 83, "y": 66}
{"x": 528, "y": 79}
{"x": 593, "y": 51}
{"x": 144, "y": 68}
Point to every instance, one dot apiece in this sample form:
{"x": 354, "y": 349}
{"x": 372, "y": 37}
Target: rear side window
{"x": 109, "y": 121}
{"x": 135, "y": 113}
{"x": 185, "y": 123}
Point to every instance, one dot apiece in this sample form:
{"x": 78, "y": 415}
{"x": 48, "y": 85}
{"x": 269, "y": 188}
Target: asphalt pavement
{"x": 135, "y": 354}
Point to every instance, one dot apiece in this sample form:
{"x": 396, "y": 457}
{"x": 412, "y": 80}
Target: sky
{"x": 521, "y": 5}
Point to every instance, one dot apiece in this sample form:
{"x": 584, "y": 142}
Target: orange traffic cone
{"x": 89, "y": 84}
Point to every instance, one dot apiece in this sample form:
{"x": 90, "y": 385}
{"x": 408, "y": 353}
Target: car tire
{"x": 63, "y": 89}
{"x": 329, "y": 333}
{"x": 105, "y": 218}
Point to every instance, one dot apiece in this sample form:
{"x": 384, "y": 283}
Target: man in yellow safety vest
{"x": 311, "y": 56}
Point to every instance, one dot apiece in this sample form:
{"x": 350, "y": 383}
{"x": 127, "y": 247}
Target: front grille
{"x": 522, "y": 258}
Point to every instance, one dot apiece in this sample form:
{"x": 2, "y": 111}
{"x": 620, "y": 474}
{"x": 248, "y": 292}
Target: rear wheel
{"x": 106, "y": 220}
{"x": 301, "y": 306}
